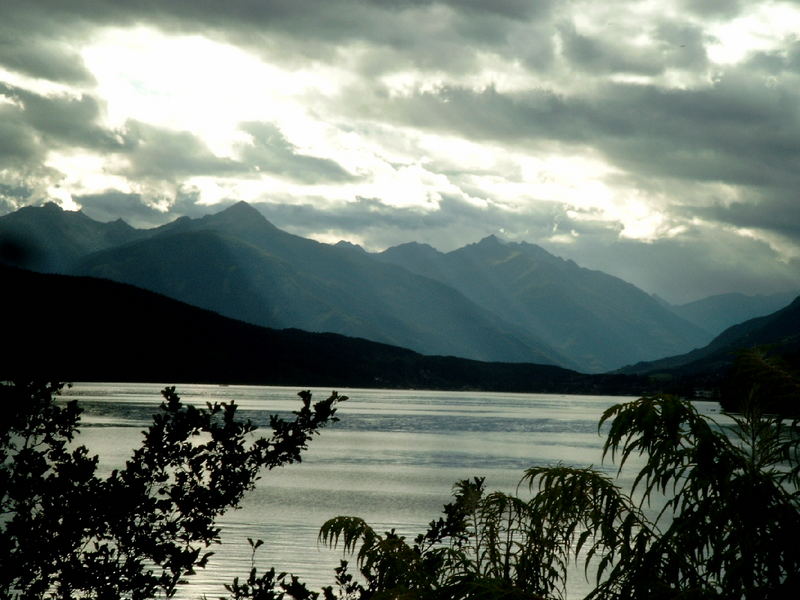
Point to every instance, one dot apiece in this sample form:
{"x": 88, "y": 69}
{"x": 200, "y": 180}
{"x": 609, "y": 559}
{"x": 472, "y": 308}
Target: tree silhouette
{"x": 67, "y": 533}
{"x": 728, "y": 527}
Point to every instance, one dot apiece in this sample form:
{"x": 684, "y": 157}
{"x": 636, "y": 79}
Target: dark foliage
{"x": 713, "y": 368}
{"x": 67, "y": 533}
{"x": 763, "y": 381}
{"x": 724, "y": 520}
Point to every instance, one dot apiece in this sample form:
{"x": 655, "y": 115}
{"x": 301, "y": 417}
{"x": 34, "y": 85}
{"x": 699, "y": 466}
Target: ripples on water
{"x": 392, "y": 459}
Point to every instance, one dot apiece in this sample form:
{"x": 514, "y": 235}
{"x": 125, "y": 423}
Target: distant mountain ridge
{"x": 716, "y": 313}
{"x": 50, "y": 239}
{"x": 490, "y": 301}
{"x": 594, "y": 318}
{"x": 778, "y": 332}
{"x": 100, "y": 330}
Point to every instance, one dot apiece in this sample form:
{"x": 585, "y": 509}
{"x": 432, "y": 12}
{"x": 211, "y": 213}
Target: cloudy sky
{"x": 656, "y": 140}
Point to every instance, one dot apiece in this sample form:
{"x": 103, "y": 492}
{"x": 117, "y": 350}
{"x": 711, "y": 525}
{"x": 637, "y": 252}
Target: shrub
{"x": 729, "y": 526}
{"x": 67, "y": 533}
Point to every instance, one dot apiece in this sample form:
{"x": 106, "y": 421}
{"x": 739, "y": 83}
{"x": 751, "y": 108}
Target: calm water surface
{"x": 391, "y": 459}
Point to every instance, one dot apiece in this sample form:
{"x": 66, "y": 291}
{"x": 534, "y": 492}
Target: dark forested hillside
{"x": 49, "y": 239}
{"x": 80, "y": 328}
{"x": 777, "y": 333}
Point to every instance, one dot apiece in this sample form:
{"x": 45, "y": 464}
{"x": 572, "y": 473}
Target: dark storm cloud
{"x": 25, "y": 140}
{"x": 18, "y": 192}
{"x": 742, "y": 131}
{"x": 714, "y": 8}
{"x": 511, "y": 9}
{"x": 41, "y": 58}
{"x": 608, "y": 56}
{"x": 676, "y": 133}
{"x": 61, "y": 120}
{"x": 159, "y": 153}
{"x": 7, "y": 205}
{"x": 426, "y": 34}
{"x": 672, "y": 44}
{"x": 18, "y": 144}
{"x": 155, "y": 152}
{"x": 422, "y": 34}
{"x": 480, "y": 114}
{"x": 369, "y": 20}
{"x": 700, "y": 263}
{"x": 311, "y": 13}
{"x": 34, "y": 123}
{"x": 734, "y": 130}
{"x": 738, "y": 131}
{"x": 682, "y": 44}
{"x": 272, "y": 153}
{"x": 13, "y": 195}
{"x": 781, "y": 215}
{"x": 777, "y": 64}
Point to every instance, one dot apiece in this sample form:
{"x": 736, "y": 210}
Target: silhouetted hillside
{"x": 779, "y": 333}
{"x": 49, "y": 239}
{"x": 84, "y": 329}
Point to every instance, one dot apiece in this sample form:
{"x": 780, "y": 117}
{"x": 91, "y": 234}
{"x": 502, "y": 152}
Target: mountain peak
{"x": 119, "y": 225}
{"x": 411, "y": 249}
{"x": 48, "y": 208}
{"x": 242, "y": 209}
{"x": 52, "y": 214}
{"x": 491, "y": 245}
{"x": 417, "y": 246}
{"x": 240, "y": 213}
{"x": 491, "y": 240}
{"x": 349, "y": 246}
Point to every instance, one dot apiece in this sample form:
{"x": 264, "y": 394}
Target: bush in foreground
{"x": 67, "y": 533}
{"x": 729, "y": 526}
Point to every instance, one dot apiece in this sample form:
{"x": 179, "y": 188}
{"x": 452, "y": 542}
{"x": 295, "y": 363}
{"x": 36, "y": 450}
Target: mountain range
{"x": 72, "y": 328}
{"x": 597, "y": 320}
{"x": 488, "y": 301}
{"x": 81, "y": 328}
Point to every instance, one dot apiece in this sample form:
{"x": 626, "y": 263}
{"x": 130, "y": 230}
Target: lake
{"x": 391, "y": 459}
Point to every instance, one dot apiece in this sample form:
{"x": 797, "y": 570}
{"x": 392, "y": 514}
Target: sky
{"x": 658, "y": 141}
